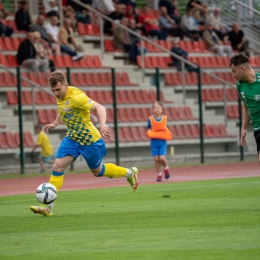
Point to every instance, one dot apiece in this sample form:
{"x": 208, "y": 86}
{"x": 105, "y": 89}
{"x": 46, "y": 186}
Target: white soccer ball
{"x": 46, "y": 193}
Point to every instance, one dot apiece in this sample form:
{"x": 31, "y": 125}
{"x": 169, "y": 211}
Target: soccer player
{"x": 43, "y": 142}
{"x": 159, "y": 134}
{"x": 82, "y": 137}
{"x": 248, "y": 88}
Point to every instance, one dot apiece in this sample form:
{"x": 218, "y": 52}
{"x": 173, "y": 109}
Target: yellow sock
{"x": 113, "y": 171}
{"x": 57, "y": 181}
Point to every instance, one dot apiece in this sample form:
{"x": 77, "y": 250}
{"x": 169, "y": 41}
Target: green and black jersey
{"x": 250, "y": 94}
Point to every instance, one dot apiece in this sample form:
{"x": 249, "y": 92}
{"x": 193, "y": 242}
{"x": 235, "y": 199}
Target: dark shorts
{"x": 257, "y": 139}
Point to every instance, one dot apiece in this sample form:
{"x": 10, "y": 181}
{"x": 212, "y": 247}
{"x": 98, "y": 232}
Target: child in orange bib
{"x": 159, "y": 134}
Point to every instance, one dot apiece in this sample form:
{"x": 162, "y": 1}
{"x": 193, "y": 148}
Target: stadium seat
{"x": 195, "y": 131}
{"x": 12, "y": 61}
{"x": 11, "y": 140}
{"x": 142, "y": 131}
{"x": 121, "y": 135}
{"x": 128, "y": 134}
{"x": 42, "y": 117}
{"x": 28, "y": 139}
{"x": 81, "y": 28}
{"x": 208, "y": 132}
{"x": 136, "y": 134}
{"x": 3, "y": 141}
{"x": 11, "y": 98}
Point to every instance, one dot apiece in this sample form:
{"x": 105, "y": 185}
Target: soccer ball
{"x": 46, "y": 193}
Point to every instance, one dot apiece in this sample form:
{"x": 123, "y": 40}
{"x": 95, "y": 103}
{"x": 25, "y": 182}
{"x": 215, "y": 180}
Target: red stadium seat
{"x": 42, "y": 117}
{"x": 136, "y": 134}
{"x": 3, "y": 141}
{"x": 11, "y": 140}
{"x": 28, "y": 139}
{"x": 81, "y": 28}
{"x": 11, "y": 98}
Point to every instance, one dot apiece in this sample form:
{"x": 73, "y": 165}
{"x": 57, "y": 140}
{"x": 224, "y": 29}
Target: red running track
{"x": 180, "y": 174}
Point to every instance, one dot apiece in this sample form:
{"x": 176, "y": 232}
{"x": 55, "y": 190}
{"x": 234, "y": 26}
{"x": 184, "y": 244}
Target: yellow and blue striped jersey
{"x": 74, "y": 110}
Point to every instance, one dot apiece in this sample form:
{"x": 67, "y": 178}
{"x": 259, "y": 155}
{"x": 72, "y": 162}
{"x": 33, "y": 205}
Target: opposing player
{"x": 248, "y": 88}
{"x": 82, "y": 137}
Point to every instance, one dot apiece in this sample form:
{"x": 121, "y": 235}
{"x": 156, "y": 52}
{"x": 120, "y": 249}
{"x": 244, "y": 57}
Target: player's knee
{"x": 57, "y": 167}
{"x": 95, "y": 172}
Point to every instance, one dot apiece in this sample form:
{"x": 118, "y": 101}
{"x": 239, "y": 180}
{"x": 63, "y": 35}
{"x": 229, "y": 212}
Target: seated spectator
{"x": 5, "y": 30}
{"x": 45, "y": 41}
{"x": 151, "y": 24}
{"x": 116, "y": 16}
{"x": 68, "y": 12}
{"x": 190, "y": 27}
{"x": 238, "y": 40}
{"x": 130, "y": 14}
{"x": 214, "y": 18}
{"x": 170, "y": 10}
{"x": 213, "y": 43}
{"x": 22, "y": 17}
{"x": 168, "y": 25}
{"x": 81, "y": 14}
{"x": 53, "y": 32}
{"x": 198, "y": 5}
{"x": 104, "y": 6}
{"x": 41, "y": 52}
{"x": 128, "y": 3}
{"x": 51, "y": 7}
{"x": 134, "y": 38}
{"x": 196, "y": 15}
{"x": 66, "y": 37}
{"x": 180, "y": 52}
{"x": 26, "y": 55}
{"x": 123, "y": 41}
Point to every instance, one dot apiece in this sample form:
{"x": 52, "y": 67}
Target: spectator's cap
{"x": 23, "y": 2}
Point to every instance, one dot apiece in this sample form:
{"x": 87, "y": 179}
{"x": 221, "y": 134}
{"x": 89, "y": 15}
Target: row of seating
{"x": 100, "y": 96}
{"x": 61, "y": 61}
{"x": 76, "y": 79}
{"x": 191, "y": 78}
{"x": 217, "y": 95}
{"x": 10, "y": 44}
{"x": 129, "y": 114}
{"x": 11, "y": 23}
{"x": 151, "y": 62}
{"x": 192, "y": 131}
{"x": 12, "y": 140}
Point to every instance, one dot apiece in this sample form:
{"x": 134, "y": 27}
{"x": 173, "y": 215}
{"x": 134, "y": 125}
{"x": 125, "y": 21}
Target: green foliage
{"x": 193, "y": 220}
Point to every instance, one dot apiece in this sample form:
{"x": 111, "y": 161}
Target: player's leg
{"x": 41, "y": 162}
{"x": 65, "y": 155}
{"x": 163, "y": 160}
{"x": 93, "y": 154}
{"x": 257, "y": 140}
{"x": 157, "y": 164}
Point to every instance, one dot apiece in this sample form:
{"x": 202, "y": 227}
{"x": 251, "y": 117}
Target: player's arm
{"x": 245, "y": 123}
{"x": 53, "y": 125}
{"x": 102, "y": 117}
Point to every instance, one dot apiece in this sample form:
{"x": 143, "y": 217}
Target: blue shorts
{"x": 46, "y": 158}
{"x": 93, "y": 154}
{"x": 158, "y": 147}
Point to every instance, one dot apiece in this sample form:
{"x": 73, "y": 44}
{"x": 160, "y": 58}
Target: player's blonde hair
{"x": 56, "y": 77}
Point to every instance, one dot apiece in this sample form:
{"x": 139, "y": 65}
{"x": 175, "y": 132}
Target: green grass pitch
{"x": 193, "y": 220}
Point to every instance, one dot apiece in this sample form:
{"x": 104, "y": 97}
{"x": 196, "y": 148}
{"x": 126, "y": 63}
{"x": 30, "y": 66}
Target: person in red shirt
{"x": 151, "y": 24}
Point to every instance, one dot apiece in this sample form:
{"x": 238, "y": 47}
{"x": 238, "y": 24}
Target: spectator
{"x": 68, "y": 12}
{"x": 151, "y": 24}
{"x": 238, "y": 40}
{"x": 51, "y": 7}
{"x": 41, "y": 52}
{"x": 66, "y": 37}
{"x": 38, "y": 26}
{"x": 135, "y": 39}
{"x": 53, "y": 32}
{"x": 26, "y": 55}
{"x": 168, "y": 25}
{"x": 22, "y": 17}
{"x": 215, "y": 19}
{"x": 213, "y": 43}
{"x": 123, "y": 41}
{"x": 179, "y": 51}
{"x": 104, "y": 6}
{"x": 170, "y": 10}
{"x": 81, "y": 14}
{"x": 6, "y": 31}
{"x": 198, "y": 5}
{"x": 128, "y": 3}
{"x": 130, "y": 14}
{"x": 116, "y": 16}
{"x": 190, "y": 27}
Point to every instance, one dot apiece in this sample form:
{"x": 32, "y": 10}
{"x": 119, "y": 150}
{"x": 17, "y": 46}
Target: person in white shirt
{"x": 53, "y": 32}
{"x": 214, "y": 18}
{"x": 51, "y": 7}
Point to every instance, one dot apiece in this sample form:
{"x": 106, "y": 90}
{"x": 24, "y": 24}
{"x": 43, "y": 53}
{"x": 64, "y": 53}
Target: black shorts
{"x": 257, "y": 139}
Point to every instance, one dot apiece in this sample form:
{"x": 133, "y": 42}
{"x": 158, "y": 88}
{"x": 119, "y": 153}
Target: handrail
{"x": 151, "y": 42}
{"x": 246, "y": 6}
